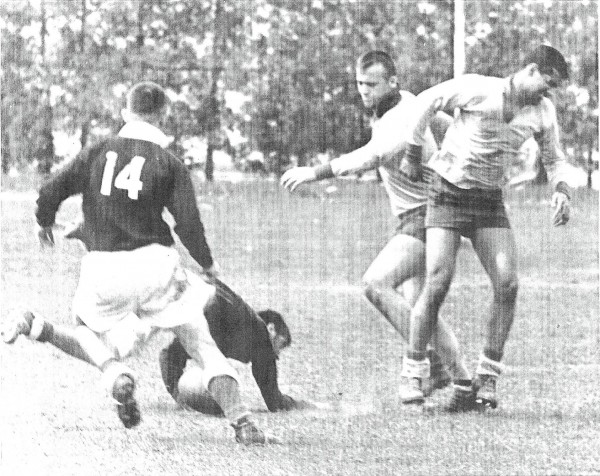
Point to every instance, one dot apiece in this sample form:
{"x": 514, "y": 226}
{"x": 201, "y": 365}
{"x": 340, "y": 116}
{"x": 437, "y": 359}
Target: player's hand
{"x": 296, "y": 176}
{"x": 73, "y": 231}
{"x": 288, "y": 403}
{"x": 411, "y": 169}
{"x": 213, "y": 272}
{"x": 45, "y": 235}
{"x": 562, "y": 208}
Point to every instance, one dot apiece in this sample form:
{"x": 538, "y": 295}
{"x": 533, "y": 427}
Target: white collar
{"x": 141, "y": 130}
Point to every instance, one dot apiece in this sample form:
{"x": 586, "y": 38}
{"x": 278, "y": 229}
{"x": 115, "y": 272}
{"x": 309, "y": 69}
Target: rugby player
{"x": 395, "y": 278}
{"x": 493, "y": 117}
{"x": 241, "y": 334}
{"x": 131, "y": 282}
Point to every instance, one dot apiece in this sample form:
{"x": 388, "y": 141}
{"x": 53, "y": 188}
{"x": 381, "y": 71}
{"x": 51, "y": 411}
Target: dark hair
{"x": 548, "y": 59}
{"x": 374, "y": 57}
{"x": 272, "y": 317}
{"x": 146, "y": 98}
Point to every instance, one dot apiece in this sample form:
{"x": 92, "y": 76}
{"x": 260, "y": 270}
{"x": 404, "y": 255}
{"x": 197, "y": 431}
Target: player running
{"x": 131, "y": 283}
{"x": 495, "y": 117}
{"x": 401, "y": 263}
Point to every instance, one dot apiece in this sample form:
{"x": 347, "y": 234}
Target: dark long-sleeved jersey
{"x": 126, "y": 182}
{"x": 240, "y": 334}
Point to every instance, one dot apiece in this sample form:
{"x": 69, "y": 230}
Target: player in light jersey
{"x": 401, "y": 263}
{"x": 495, "y": 117}
{"x": 131, "y": 283}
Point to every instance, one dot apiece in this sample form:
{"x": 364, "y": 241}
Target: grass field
{"x": 303, "y": 255}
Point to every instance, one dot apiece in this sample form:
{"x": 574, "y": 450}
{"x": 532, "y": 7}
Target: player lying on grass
{"x": 131, "y": 283}
{"x": 493, "y": 117}
{"x": 241, "y": 334}
{"x": 395, "y": 278}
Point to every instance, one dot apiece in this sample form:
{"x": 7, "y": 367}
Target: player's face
{"x": 373, "y": 84}
{"x": 535, "y": 84}
{"x": 278, "y": 341}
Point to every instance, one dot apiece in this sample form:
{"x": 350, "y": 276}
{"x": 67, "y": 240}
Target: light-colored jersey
{"x": 480, "y": 145}
{"x": 385, "y": 151}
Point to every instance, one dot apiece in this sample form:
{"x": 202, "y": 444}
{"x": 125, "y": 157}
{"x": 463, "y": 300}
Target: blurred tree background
{"x": 274, "y": 77}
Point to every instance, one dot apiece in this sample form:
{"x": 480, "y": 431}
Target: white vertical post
{"x": 459, "y": 37}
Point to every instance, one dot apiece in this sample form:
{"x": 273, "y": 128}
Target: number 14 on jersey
{"x": 127, "y": 179}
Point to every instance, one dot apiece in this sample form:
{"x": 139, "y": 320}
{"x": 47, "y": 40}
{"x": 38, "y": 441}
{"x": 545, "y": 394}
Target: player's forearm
{"x": 552, "y": 157}
{"x": 51, "y": 195}
{"x": 265, "y": 374}
{"x": 188, "y": 226}
{"x": 193, "y": 238}
{"x": 68, "y": 181}
{"x": 359, "y": 160}
{"x": 556, "y": 167}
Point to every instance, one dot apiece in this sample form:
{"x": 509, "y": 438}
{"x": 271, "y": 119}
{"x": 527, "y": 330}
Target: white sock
{"x": 37, "y": 326}
{"x": 416, "y": 368}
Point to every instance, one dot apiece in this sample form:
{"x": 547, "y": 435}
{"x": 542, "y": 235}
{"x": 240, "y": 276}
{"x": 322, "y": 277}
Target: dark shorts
{"x": 412, "y": 223}
{"x": 466, "y": 210}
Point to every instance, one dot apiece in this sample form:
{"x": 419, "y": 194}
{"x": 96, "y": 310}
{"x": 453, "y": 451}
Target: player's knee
{"x": 437, "y": 285}
{"x": 371, "y": 290}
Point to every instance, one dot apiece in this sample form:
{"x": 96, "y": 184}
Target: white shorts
{"x": 127, "y": 336}
{"x": 126, "y": 296}
{"x": 148, "y": 282}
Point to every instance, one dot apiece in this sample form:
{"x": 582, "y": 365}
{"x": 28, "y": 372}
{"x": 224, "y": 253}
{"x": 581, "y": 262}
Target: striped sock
{"x": 487, "y": 366}
{"x": 463, "y": 385}
{"x": 39, "y": 328}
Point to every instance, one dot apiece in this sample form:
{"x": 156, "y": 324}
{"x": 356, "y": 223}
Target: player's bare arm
{"x": 359, "y": 160}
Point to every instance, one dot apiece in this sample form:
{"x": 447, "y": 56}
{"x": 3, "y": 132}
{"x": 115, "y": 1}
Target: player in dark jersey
{"x": 131, "y": 283}
{"x": 241, "y": 334}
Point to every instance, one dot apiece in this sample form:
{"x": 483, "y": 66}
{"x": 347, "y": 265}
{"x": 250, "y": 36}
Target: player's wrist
{"x": 563, "y": 188}
{"x": 323, "y": 171}
{"x": 414, "y": 153}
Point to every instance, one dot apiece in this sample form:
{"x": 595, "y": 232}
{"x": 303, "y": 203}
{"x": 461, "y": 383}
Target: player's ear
{"x": 272, "y": 331}
{"x": 532, "y": 68}
{"x": 393, "y": 81}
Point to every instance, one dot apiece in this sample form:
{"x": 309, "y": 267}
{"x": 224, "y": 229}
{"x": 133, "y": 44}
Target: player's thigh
{"x": 496, "y": 249}
{"x": 180, "y": 300}
{"x": 442, "y": 247}
{"x": 402, "y": 258}
{"x": 127, "y": 337}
